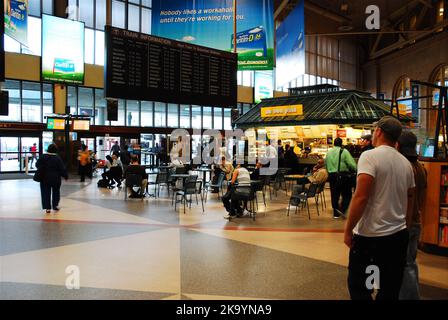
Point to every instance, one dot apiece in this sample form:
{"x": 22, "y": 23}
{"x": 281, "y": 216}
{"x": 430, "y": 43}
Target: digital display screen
{"x": 81, "y": 125}
{"x": 55, "y": 124}
{"x": 62, "y": 50}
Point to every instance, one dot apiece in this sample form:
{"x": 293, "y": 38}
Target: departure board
{"x": 143, "y": 67}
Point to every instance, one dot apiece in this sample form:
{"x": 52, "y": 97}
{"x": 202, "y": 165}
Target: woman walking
{"x": 51, "y": 170}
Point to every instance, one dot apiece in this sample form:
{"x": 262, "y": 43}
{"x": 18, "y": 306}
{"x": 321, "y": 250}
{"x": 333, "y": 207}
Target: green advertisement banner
{"x": 16, "y": 20}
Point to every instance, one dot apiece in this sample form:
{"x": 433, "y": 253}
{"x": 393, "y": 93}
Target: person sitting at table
{"x": 319, "y": 176}
{"x": 226, "y": 167}
{"x": 137, "y": 169}
{"x": 115, "y": 172}
{"x": 255, "y": 175}
{"x": 239, "y": 187}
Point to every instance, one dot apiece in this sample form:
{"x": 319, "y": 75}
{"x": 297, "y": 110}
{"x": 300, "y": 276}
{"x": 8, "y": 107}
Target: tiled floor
{"x": 145, "y": 250}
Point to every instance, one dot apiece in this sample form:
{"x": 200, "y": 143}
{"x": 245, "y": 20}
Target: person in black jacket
{"x": 53, "y": 169}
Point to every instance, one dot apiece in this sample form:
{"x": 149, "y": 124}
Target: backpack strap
{"x": 340, "y": 156}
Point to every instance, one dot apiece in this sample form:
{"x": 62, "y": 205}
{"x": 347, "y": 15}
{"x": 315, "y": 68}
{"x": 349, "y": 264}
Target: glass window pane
{"x": 31, "y": 102}
{"x": 185, "y": 116}
{"x": 159, "y": 115}
{"x": 85, "y": 102}
{"x": 34, "y": 37}
{"x": 89, "y": 49}
{"x": 172, "y": 116}
{"x": 120, "y": 121}
{"x": 133, "y": 18}
{"x": 196, "y": 117}
{"x": 86, "y": 12}
{"x": 217, "y": 118}
{"x": 146, "y": 113}
{"x": 11, "y": 45}
{"x": 146, "y": 21}
{"x": 100, "y": 108}
{"x": 207, "y": 117}
{"x": 34, "y": 8}
{"x": 118, "y": 12}
{"x": 135, "y": 1}
{"x": 71, "y": 99}
{"x": 100, "y": 14}
{"x": 48, "y": 6}
{"x": 13, "y": 88}
{"x": 227, "y": 119}
{"x": 147, "y": 3}
{"x": 99, "y": 48}
{"x": 133, "y": 113}
{"x": 47, "y": 100}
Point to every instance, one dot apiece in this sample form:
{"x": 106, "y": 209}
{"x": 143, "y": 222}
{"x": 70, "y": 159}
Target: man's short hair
{"x": 134, "y": 158}
{"x": 337, "y": 142}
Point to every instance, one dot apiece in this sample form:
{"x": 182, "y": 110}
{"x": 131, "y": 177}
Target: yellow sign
{"x": 283, "y": 111}
{"x": 402, "y": 109}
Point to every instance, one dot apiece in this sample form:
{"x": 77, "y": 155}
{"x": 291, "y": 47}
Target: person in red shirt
{"x": 33, "y": 151}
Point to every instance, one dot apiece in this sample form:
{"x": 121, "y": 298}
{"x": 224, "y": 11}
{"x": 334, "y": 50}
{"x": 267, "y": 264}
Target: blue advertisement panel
{"x": 415, "y": 101}
{"x": 16, "y": 20}
{"x": 290, "y": 37}
{"x": 210, "y": 23}
{"x": 264, "y": 85}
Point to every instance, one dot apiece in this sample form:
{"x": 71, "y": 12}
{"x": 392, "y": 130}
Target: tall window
{"x": 132, "y": 113}
{"x": 207, "y": 117}
{"x": 85, "y": 103}
{"x": 217, "y": 118}
{"x": 173, "y": 115}
{"x": 159, "y": 114}
{"x": 100, "y": 108}
{"x": 185, "y": 116}
{"x": 147, "y": 114}
{"x": 28, "y": 101}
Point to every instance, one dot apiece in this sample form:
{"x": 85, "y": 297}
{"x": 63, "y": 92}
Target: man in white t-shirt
{"x": 376, "y": 227}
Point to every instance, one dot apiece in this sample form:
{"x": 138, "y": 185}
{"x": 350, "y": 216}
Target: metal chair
{"x": 189, "y": 188}
{"x": 199, "y": 185}
{"x": 218, "y": 184}
{"x": 310, "y": 193}
{"x": 295, "y": 197}
{"x": 133, "y": 180}
{"x": 321, "y": 193}
{"x": 161, "y": 179}
{"x": 280, "y": 180}
{"x": 249, "y": 198}
{"x": 258, "y": 186}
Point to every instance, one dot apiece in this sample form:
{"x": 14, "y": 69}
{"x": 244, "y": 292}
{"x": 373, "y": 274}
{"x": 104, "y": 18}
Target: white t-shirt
{"x": 385, "y": 213}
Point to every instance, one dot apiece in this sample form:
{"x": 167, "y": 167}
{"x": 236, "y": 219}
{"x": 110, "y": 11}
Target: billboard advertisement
{"x": 210, "y": 23}
{"x": 62, "y": 50}
{"x": 264, "y": 85}
{"x": 290, "y": 37}
{"x": 16, "y": 20}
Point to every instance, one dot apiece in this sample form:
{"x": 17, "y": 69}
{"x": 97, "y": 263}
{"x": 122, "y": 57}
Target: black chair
{"x": 161, "y": 180}
{"x": 199, "y": 185}
{"x": 295, "y": 197}
{"x": 310, "y": 193}
{"x": 133, "y": 181}
{"x": 189, "y": 189}
{"x": 209, "y": 185}
{"x": 320, "y": 193}
{"x": 258, "y": 186}
{"x": 248, "y": 199}
{"x": 280, "y": 180}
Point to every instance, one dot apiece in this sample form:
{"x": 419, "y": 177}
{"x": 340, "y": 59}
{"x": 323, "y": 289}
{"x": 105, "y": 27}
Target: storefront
{"x": 310, "y": 118}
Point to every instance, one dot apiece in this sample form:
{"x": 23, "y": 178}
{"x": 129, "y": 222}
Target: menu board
{"x": 81, "y": 125}
{"x": 143, "y": 67}
{"x": 55, "y": 124}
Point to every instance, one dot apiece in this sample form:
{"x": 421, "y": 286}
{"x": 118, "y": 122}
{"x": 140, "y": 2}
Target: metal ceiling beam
{"x": 280, "y": 8}
{"x": 326, "y": 12}
{"x": 411, "y": 40}
{"x": 426, "y": 3}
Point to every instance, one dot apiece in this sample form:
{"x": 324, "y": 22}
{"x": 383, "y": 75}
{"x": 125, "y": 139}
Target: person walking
{"x": 339, "y": 162}
{"x": 376, "y": 230}
{"x": 85, "y": 162}
{"x": 115, "y": 148}
{"x": 33, "y": 151}
{"x": 50, "y": 169}
{"x": 407, "y": 144}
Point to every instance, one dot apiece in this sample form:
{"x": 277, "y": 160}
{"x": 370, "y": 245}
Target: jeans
{"x": 336, "y": 192}
{"x": 388, "y": 253}
{"x": 50, "y": 195}
{"x": 410, "y": 287}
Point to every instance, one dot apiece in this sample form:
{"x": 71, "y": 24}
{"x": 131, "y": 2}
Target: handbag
{"x": 343, "y": 178}
{"x": 39, "y": 176}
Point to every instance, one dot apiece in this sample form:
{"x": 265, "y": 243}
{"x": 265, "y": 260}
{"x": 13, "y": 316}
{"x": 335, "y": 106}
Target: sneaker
{"x": 56, "y": 209}
{"x": 47, "y": 211}
{"x": 336, "y": 217}
{"x": 341, "y": 214}
{"x": 227, "y": 216}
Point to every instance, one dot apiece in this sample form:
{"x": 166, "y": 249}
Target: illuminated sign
{"x": 55, "y": 124}
{"x": 81, "y": 125}
{"x": 283, "y": 111}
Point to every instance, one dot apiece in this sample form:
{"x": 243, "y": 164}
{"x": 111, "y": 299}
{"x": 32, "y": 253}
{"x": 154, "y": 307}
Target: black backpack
{"x": 103, "y": 183}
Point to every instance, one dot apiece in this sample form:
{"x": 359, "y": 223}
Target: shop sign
{"x": 283, "y": 111}
{"x": 341, "y": 133}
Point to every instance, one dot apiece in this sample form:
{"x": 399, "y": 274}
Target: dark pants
{"x": 232, "y": 203}
{"x": 410, "y": 287}
{"x": 338, "y": 190}
{"x": 84, "y": 171}
{"x": 388, "y": 253}
{"x": 50, "y": 195}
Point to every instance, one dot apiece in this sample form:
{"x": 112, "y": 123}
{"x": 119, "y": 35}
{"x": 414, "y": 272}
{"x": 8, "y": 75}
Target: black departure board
{"x": 143, "y": 67}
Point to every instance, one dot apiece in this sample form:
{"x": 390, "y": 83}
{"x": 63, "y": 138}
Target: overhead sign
{"x": 143, "y": 67}
{"x": 290, "y": 35}
{"x": 62, "y": 50}
{"x": 264, "y": 85}
{"x": 341, "y": 133}
{"x": 16, "y": 20}
{"x": 283, "y": 111}
{"x": 210, "y": 23}
{"x": 81, "y": 125}
{"x": 55, "y": 124}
